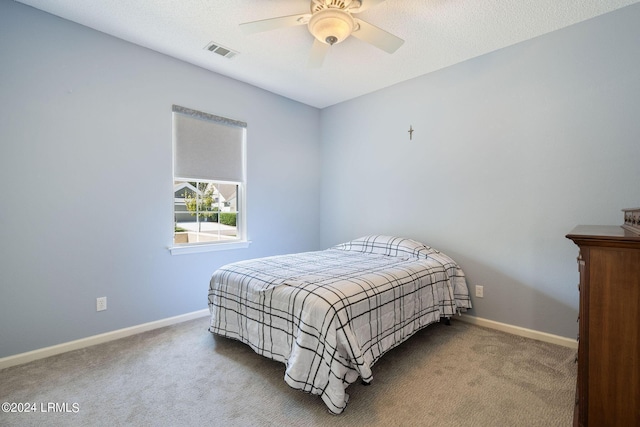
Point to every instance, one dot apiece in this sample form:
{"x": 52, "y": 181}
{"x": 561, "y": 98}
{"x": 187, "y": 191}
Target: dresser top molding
{"x": 604, "y": 235}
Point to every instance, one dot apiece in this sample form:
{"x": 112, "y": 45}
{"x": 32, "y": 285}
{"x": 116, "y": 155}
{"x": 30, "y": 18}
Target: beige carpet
{"x": 458, "y": 375}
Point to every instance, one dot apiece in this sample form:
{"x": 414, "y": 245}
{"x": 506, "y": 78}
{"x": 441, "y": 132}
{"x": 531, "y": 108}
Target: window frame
{"x": 241, "y": 222}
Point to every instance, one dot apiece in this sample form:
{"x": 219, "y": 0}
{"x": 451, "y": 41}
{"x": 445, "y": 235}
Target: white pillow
{"x": 387, "y": 245}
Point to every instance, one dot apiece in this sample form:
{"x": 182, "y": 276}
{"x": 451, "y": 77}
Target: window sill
{"x": 195, "y": 248}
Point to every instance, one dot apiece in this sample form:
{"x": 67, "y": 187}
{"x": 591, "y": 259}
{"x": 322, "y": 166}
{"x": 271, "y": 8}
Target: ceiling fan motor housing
{"x": 331, "y": 26}
{"x": 317, "y": 5}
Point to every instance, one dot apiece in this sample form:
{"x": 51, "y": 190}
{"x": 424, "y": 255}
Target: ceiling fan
{"x": 331, "y": 22}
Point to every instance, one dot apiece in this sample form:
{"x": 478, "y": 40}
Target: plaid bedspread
{"x": 330, "y": 315}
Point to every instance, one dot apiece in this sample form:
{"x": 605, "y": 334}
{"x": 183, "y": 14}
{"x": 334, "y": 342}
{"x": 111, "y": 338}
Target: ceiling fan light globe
{"x": 331, "y": 25}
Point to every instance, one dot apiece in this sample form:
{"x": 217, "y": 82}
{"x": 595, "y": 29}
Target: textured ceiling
{"x": 437, "y": 34}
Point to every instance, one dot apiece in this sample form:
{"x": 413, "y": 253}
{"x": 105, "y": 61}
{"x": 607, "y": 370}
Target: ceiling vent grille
{"x": 221, "y": 50}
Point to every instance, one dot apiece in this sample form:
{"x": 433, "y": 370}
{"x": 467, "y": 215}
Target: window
{"x": 208, "y": 181}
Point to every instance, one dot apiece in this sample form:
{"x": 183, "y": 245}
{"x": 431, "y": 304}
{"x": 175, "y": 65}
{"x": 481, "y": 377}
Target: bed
{"x": 330, "y": 315}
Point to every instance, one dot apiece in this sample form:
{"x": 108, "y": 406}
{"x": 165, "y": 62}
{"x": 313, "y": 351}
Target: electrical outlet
{"x": 480, "y": 291}
{"x": 101, "y": 304}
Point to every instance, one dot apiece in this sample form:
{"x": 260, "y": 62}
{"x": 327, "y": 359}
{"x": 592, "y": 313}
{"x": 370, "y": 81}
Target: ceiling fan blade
{"x": 366, "y": 4}
{"x": 275, "y": 23}
{"x": 318, "y": 52}
{"x": 377, "y": 37}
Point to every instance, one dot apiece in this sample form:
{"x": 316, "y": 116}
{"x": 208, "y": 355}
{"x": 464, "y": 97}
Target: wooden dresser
{"x": 608, "y": 390}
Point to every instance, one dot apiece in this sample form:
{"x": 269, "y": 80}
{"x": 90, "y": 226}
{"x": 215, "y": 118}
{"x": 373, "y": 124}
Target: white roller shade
{"x": 207, "y": 147}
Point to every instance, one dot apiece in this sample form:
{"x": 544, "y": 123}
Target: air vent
{"x": 221, "y": 50}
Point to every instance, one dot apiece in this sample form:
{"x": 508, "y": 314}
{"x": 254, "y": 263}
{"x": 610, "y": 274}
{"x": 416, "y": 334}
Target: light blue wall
{"x": 85, "y": 165}
{"x": 511, "y": 150}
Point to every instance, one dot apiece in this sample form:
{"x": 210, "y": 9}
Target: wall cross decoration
{"x": 410, "y": 132}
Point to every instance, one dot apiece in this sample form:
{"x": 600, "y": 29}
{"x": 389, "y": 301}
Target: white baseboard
{"x": 41, "y": 353}
{"x": 517, "y": 330}
{"x": 21, "y": 358}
